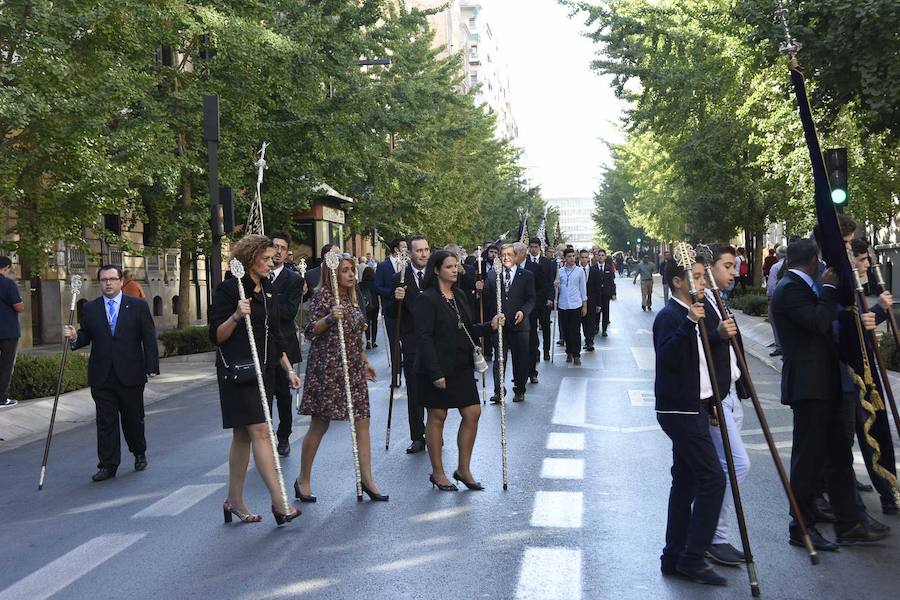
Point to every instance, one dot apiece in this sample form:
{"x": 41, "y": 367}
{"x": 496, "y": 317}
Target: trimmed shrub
{"x": 889, "y": 352}
{"x": 756, "y": 305}
{"x": 193, "y": 340}
{"x": 35, "y": 376}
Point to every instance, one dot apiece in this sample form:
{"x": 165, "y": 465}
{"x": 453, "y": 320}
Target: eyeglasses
{"x": 109, "y": 279}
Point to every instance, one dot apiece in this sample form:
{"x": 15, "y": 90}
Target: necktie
{"x": 506, "y": 280}
{"x": 111, "y": 313}
{"x": 419, "y": 279}
{"x": 272, "y": 276}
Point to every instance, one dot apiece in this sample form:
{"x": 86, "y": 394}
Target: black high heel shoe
{"x": 281, "y": 518}
{"x": 301, "y": 496}
{"x": 449, "y": 487}
{"x": 228, "y": 510}
{"x": 373, "y": 496}
{"x": 472, "y": 485}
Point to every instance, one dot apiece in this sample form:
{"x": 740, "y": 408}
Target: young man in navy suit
{"x": 683, "y": 395}
{"x": 123, "y": 353}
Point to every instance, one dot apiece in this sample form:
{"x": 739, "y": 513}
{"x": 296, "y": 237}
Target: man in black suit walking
{"x": 289, "y": 285}
{"x": 123, "y": 354}
{"x": 517, "y": 294}
{"x": 804, "y": 313}
{"x": 601, "y": 288}
{"x": 407, "y": 295}
{"x": 541, "y": 269}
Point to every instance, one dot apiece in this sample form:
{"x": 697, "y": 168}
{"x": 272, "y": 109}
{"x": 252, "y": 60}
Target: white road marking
{"x": 644, "y": 357}
{"x": 570, "y": 402}
{"x": 69, "y": 567}
{"x": 295, "y": 589}
{"x": 562, "y": 468}
{"x": 550, "y": 574}
{"x": 557, "y": 509}
{"x": 785, "y": 429}
{"x": 114, "y": 503}
{"x": 179, "y": 501}
{"x": 565, "y": 441}
{"x": 765, "y": 447}
{"x": 221, "y": 470}
{"x": 437, "y": 515}
{"x": 643, "y": 332}
{"x": 642, "y": 398}
{"x": 614, "y": 429}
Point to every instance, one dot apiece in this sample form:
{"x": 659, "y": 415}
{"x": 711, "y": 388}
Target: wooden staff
{"x": 498, "y": 266}
{"x": 685, "y": 257}
{"x": 301, "y": 268}
{"x": 76, "y": 291}
{"x": 332, "y": 260}
{"x": 479, "y": 276}
{"x": 757, "y": 406}
{"x": 237, "y": 269}
{"x": 892, "y": 324}
{"x": 395, "y": 365}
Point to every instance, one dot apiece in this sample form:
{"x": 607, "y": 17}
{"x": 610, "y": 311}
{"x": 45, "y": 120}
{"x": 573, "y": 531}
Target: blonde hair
{"x": 325, "y": 279}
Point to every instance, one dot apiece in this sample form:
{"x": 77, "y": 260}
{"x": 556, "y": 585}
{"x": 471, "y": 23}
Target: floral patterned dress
{"x": 324, "y": 395}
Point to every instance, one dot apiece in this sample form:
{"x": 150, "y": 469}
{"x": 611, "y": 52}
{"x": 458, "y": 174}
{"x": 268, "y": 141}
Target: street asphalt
{"x": 584, "y": 516}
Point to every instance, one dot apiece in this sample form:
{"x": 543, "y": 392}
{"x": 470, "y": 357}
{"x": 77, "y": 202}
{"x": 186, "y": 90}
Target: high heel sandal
{"x": 373, "y": 496}
{"x": 301, "y": 496}
{"x": 228, "y": 510}
{"x": 444, "y": 487}
{"x": 472, "y": 485}
{"x": 281, "y": 518}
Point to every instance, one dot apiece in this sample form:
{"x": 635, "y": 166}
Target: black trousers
{"x": 698, "y": 486}
{"x": 372, "y": 331}
{"x": 515, "y": 343}
{"x": 540, "y": 316}
{"x": 8, "y": 348}
{"x": 282, "y": 389}
{"x": 569, "y": 329}
{"x": 822, "y": 450}
{"x": 604, "y": 312}
{"x": 414, "y": 409}
{"x": 589, "y": 325}
{"x": 115, "y": 401}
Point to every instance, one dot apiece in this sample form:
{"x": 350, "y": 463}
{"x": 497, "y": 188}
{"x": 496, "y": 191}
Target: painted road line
{"x": 570, "y": 402}
{"x": 562, "y": 468}
{"x": 557, "y": 509}
{"x": 565, "y": 441}
{"x": 179, "y": 501}
{"x": 70, "y": 567}
{"x": 642, "y": 398}
{"x": 645, "y": 357}
{"x": 550, "y": 574}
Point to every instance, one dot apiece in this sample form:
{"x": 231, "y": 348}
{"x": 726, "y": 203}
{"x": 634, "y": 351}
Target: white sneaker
{"x": 8, "y": 402}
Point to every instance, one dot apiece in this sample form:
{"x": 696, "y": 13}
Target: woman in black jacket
{"x": 445, "y": 368}
{"x": 242, "y": 409}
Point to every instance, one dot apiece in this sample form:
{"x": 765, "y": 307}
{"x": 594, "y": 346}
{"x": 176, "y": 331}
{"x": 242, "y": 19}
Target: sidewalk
{"x": 29, "y": 420}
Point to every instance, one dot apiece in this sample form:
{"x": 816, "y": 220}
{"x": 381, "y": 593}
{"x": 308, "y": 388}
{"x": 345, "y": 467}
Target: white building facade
{"x": 576, "y": 220}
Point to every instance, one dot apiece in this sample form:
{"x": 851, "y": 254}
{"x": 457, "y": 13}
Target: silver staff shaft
{"x": 499, "y": 358}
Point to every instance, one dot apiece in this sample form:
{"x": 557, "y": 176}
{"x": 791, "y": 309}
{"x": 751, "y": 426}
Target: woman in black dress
{"x": 445, "y": 368}
{"x": 371, "y": 302}
{"x": 242, "y": 410}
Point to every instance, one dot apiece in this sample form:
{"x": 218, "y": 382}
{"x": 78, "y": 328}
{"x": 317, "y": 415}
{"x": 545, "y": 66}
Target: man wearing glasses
{"x": 123, "y": 353}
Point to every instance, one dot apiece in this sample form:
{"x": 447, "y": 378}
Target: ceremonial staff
{"x": 498, "y": 266}
{"x": 556, "y": 320}
{"x": 479, "y": 276}
{"x": 301, "y": 268}
{"x": 685, "y": 257}
{"x": 705, "y": 251}
{"x": 396, "y": 363}
{"x": 76, "y": 291}
{"x": 892, "y": 324}
{"x": 332, "y": 260}
{"x": 237, "y": 269}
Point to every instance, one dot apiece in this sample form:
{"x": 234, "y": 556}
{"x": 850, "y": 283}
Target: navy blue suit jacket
{"x": 677, "y": 384}
{"x": 384, "y": 285}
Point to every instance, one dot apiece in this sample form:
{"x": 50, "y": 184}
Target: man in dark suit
{"x": 589, "y": 320}
{"x": 123, "y": 354}
{"x": 811, "y": 386}
{"x": 517, "y": 297}
{"x": 541, "y": 268}
{"x": 683, "y": 395}
{"x": 315, "y": 274}
{"x": 407, "y": 295}
{"x": 289, "y": 285}
{"x": 601, "y": 288}
{"x": 384, "y": 286}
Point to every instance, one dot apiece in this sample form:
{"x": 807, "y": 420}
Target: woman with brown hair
{"x": 242, "y": 409}
{"x": 324, "y": 395}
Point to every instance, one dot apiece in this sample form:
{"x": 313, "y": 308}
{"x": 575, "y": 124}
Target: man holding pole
{"x": 540, "y": 268}
{"x": 11, "y": 305}
{"x": 123, "y": 353}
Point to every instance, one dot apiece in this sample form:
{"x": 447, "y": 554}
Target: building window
{"x": 153, "y": 262}
{"x": 473, "y": 78}
{"x": 113, "y": 224}
{"x": 115, "y": 256}
{"x": 157, "y": 306}
{"x": 171, "y": 263}
{"x": 76, "y": 259}
{"x": 176, "y": 303}
{"x": 472, "y": 22}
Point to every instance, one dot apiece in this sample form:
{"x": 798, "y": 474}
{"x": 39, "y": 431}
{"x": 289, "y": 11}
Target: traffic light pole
{"x": 211, "y": 136}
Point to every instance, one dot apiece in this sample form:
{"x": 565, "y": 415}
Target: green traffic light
{"x": 838, "y": 196}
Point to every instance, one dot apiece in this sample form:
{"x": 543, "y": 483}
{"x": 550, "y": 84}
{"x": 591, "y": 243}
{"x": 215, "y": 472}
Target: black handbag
{"x": 244, "y": 372}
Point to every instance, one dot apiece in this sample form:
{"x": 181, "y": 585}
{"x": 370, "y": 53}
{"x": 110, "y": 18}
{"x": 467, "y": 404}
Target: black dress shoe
{"x": 546, "y": 355}
{"x": 416, "y": 446}
{"x": 301, "y": 496}
{"x": 284, "y": 448}
{"x": 775, "y": 352}
{"x": 604, "y": 334}
{"x": 495, "y": 399}
{"x": 576, "y": 360}
{"x": 863, "y": 487}
{"x": 889, "y": 506}
{"x": 704, "y": 575}
{"x": 590, "y": 348}
{"x": 103, "y": 474}
{"x": 870, "y": 523}
{"x": 859, "y": 534}
{"x": 560, "y": 343}
{"x": 818, "y": 542}
{"x": 472, "y": 485}
{"x": 140, "y": 462}
{"x": 519, "y": 398}
{"x": 534, "y": 378}
{"x": 725, "y": 554}
{"x": 823, "y": 512}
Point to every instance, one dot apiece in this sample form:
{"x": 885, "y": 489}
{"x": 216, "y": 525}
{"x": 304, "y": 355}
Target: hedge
{"x": 193, "y": 340}
{"x": 755, "y": 305}
{"x": 35, "y": 376}
{"x": 889, "y": 352}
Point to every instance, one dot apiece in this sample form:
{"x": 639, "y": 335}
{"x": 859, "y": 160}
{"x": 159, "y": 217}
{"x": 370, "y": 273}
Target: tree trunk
{"x": 759, "y": 251}
{"x": 184, "y": 261}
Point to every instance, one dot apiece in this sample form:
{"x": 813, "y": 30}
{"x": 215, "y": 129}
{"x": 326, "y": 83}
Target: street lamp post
{"x": 211, "y": 137}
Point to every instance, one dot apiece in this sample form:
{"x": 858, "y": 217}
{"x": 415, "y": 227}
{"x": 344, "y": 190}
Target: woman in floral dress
{"x": 324, "y": 394}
